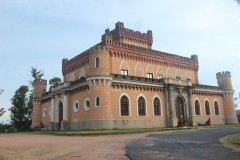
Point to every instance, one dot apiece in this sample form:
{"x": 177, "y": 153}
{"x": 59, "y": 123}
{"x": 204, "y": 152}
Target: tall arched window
{"x": 157, "y": 107}
{"x": 207, "y": 108}
{"x": 216, "y": 107}
{"x": 97, "y": 103}
{"x": 141, "y": 107}
{"x": 197, "y": 108}
{"x": 97, "y": 62}
{"x": 124, "y": 106}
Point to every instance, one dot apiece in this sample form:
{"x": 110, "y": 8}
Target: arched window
{"x": 124, "y": 106}
{"x": 97, "y": 102}
{"x": 97, "y": 62}
{"x": 207, "y": 108}
{"x": 157, "y": 107}
{"x": 197, "y": 108}
{"x": 216, "y": 107}
{"x": 141, "y": 107}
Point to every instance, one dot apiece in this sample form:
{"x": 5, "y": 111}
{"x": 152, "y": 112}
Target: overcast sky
{"x": 41, "y": 33}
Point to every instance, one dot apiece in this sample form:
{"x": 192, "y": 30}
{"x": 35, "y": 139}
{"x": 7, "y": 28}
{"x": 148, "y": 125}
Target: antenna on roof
{"x": 107, "y": 20}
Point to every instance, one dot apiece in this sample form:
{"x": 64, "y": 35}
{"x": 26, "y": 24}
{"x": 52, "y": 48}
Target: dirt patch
{"x": 232, "y": 142}
{"x": 26, "y": 146}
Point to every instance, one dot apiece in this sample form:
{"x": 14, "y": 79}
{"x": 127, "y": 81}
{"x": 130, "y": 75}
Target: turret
{"x": 39, "y": 88}
{"x": 225, "y": 83}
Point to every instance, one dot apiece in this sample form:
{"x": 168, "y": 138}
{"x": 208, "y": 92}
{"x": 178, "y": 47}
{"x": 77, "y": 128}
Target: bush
{"x": 12, "y": 129}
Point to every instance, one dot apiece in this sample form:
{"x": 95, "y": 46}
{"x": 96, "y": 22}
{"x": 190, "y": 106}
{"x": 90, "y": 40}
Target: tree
{"x": 2, "y": 111}
{"x": 36, "y": 74}
{"x": 55, "y": 81}
{"x": 20, "y": 110}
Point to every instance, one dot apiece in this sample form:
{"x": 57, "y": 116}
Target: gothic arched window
{"x": 124, "y": 106}
{"x": 197, "y": 108}
{"x": 207, "y": 108}
{"x": 97, "y": 62}
{"x": 157, "y": 107}
{"x": 141, "y": 107}
{"x": 216, "y": 107}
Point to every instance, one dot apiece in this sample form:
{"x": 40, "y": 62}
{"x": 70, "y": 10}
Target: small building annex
{"x": 122, "y": 82}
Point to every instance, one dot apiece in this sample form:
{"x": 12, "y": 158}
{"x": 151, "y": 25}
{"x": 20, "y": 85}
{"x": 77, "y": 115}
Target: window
{"x": 178, "y": 78}
{"x": 76, "y": 106}
{"x": 124, "y": 72}
{"x": 44, "y": 112}
{"x": 159, "y": 76}
{"x": 197, "y": 108}
{"x": 149, "y": 75}
{"x": 207, "y": 108}
{"x": 157, "y": 107}
{"x": 97, "y": 102}
{"x": 50, "y": 111}
{"x": 141, "y": 107}
{"x": 97, "y": 62}
{"x": 86, "y": 104}
{"x": 124, "y": 106}
{"x": 216, "y": 107}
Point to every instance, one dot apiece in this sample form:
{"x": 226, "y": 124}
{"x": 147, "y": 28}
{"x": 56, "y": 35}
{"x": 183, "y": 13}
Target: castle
{"x": 122, "y": 82}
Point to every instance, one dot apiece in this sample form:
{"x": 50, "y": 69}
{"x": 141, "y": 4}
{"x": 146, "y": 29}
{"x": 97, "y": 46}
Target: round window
{"x": 86, "y": 104}
{"x": 76, "y": 106}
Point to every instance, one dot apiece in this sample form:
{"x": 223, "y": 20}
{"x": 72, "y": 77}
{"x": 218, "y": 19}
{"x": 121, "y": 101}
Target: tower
{"x": 225, "y": 83}
{"x": 39, "y": 88}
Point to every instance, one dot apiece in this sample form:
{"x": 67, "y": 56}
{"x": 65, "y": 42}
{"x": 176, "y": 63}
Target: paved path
{"x": 184, "y": 145}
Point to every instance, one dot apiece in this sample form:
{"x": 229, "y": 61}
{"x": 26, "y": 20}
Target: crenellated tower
{"x": 225, "y": 83}
{"x": 39, "y": 87}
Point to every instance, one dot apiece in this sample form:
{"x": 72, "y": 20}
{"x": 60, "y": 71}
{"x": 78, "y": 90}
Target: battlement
{"x": 224, "y": 74}
{"x": 124, "y": 35}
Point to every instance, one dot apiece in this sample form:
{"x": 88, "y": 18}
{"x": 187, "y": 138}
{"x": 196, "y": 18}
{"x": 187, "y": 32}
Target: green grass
{"x": 105, "y": 131}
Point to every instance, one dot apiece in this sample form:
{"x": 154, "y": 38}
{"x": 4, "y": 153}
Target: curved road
{"x": 183, "y": 145}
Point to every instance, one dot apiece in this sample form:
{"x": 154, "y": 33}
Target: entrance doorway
{"x": 60, "y": 114}
{"x": 179, "y": 105}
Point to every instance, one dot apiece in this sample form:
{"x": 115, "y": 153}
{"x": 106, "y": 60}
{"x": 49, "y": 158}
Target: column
{"x": 190, "y": 107}
{"x": 52, "y": 110}
{"x": 65, "y": 111}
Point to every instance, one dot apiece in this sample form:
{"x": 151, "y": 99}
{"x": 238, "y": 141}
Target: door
{"x": 179, "y": 105}
{"x": 60, "y": 115}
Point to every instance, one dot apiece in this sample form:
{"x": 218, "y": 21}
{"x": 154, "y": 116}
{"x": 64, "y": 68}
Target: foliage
{"x": 55, "y": 81}
{"x": 20, "y": 111}
{"x": 7, "y": 128}
{"x": 36, "y": 74}
{"x": 2, "y": 111}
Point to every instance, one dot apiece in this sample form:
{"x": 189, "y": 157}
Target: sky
{"x": 40, "y": 33}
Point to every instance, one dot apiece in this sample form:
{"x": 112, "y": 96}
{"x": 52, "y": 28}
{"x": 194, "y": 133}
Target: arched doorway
{"x": 179, "y": 106}
{"x": 60, "y": 114}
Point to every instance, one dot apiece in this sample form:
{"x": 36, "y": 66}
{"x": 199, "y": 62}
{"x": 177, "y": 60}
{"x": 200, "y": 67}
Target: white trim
{"x": 151, "y": 68}
{"x": 209, "y": 107}
{"x": 141, "y": 95}
{"x": 178, "y": 73}
{"x": 119, "y": 104}
{"x": 85, "y": 105}
{"x": 74, "y": 109}
{"x": 208, "y": 90}
{"x": 215, "y": 100}
{"x": 170, "y": 72}
{"x": 161, "y": 70}
{"x": 81, "y": 72}
{"x": 96, "y": 62}
{"x": 57, "y": 110}
{"x": 72, "y": 77}
{"x": 44, "y": 112}
{"x": 120, "y": 67}
{"x": 141, "y": 69}
{"x": 143, "y": 84}
{"x": 156, "y": 96}
{"x": 196, "y": 99}
{"x": 96, "y": 102}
